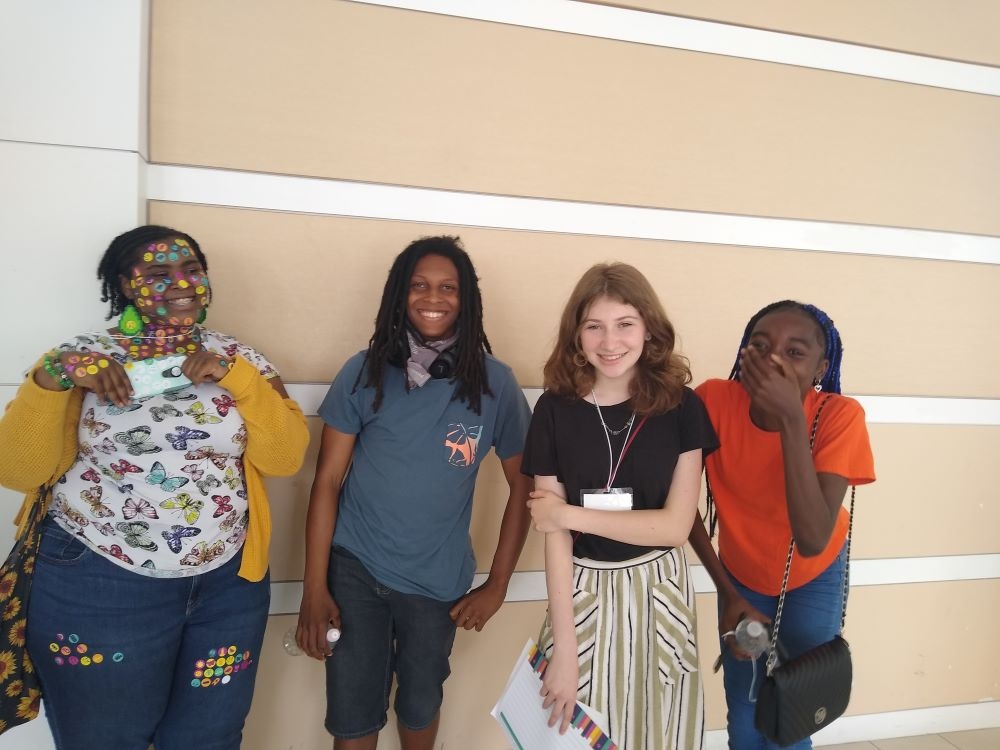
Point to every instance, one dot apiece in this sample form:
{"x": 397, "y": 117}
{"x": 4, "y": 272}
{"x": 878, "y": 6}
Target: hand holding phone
{"x": 151, "y": 377}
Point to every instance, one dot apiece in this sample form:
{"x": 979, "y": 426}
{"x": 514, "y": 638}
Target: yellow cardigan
{"x": 32, "y": 453}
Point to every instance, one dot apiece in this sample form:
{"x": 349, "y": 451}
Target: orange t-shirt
{"x": 748, "y": 482}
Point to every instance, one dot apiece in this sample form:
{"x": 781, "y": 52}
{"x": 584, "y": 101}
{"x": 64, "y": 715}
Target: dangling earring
{"x": 817, "y": 386}
{"x": 579, "y": 360}
{"x": 129, "y": 322}
{"x": 203, "y": 314}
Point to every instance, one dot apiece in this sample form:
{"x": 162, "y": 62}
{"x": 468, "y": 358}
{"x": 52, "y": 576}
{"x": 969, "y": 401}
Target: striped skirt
{"x": 635, "y": 631}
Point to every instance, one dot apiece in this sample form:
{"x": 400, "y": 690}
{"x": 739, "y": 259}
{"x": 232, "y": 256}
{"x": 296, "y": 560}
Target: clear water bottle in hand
{"x": 292, "y": 646}
{"x": 752, "y": 636}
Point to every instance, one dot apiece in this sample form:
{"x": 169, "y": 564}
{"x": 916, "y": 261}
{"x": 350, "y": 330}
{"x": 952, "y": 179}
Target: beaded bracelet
{"x": 54, "y": 367}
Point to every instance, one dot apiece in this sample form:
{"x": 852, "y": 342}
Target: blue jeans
{"x": 385, "y": 632}
{"x": 811, "y": 616}
{"x": 127, "y": 660}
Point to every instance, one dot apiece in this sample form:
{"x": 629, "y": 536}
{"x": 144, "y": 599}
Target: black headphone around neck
{"x": 444, "y": 366}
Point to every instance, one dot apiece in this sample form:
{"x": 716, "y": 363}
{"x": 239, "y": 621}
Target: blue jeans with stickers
{"x": 128, "y": 660}
{"x": 811, "y": 616}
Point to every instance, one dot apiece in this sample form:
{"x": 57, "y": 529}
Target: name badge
{"x": 616, "y": 498}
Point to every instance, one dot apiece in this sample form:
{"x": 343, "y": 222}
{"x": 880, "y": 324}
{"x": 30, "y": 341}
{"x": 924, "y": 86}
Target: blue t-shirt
{"x": 406, "y": 503}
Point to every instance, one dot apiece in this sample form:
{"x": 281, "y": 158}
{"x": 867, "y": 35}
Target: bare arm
{"x": 318, "y": 610}
{"x": 560, "y": 682}
{"x": 668, "y": 526}
{"x": 475, "y": 608}
{"x": 813, "y": 499}
{"x": 733, "y": 606}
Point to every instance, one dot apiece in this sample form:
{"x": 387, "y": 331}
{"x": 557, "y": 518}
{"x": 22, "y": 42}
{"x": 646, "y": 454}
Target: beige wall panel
{"x": 289, "y": 499}
{"x": 936, "y": 492}
{"x": 941, "y": 28}
{"x": 922, "y": 645}
{"x": 317, "y": 280}
{"x": 356, "y": 92}
{"x": 897, "y": 665}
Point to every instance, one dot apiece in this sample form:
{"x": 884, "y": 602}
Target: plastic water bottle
{"x": 292, "y": 646}
{"x": 752, "y": 636}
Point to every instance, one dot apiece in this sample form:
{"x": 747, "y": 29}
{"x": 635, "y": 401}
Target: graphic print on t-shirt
{"x": 462, "y": 443}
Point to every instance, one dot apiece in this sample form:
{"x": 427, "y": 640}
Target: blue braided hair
{"x": 833, "y": 347}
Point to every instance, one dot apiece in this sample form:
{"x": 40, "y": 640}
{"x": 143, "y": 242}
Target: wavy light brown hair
{"x": 661, "y": 373}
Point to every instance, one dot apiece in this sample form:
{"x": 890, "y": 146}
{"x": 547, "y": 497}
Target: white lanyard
{"x": 612, "y": 466}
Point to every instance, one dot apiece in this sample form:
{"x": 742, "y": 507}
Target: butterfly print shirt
{"x": 158, "y": 486}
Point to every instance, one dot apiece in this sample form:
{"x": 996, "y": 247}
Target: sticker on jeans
{"x": 69, "y": 650}
{"x": 615, "y": 498}
{"x": 219, "y": 666}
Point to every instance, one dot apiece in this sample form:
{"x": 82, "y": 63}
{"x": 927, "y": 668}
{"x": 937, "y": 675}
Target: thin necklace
{"x": 612, "y": 467}
{"x": 624, "y": 427}
{"x": 192, "y": 334}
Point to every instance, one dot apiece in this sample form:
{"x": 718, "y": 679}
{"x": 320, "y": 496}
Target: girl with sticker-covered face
{"x": 615, "y": 447}
{"x": 151, "y": 439}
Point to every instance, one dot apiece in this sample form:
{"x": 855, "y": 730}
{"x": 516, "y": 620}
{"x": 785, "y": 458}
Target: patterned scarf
{"x": 422, "y": 355}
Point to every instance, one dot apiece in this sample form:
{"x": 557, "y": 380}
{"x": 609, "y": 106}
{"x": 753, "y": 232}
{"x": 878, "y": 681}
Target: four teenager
{"x": 154, "y": 554}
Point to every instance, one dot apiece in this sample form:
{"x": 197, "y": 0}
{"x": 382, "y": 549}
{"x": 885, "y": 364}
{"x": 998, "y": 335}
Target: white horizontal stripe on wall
{"x": 878, "y": 409}
{"x": 716, "y": 38}
{"x": 529, "y": 586}
{"x": 257, "y": 190}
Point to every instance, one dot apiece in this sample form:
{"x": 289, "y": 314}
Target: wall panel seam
{"x": 916, "y": 410}
{"x": 717, "y": 38}
{"x": 332, "y": 197}
{"x": 529, "y": 585}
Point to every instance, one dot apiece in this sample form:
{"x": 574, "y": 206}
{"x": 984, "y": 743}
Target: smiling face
{"x": 612, "y": 337}
{"x": 797, "y": 339}
{"x": 167, "y": 283}
{"x": 432, "y": 305}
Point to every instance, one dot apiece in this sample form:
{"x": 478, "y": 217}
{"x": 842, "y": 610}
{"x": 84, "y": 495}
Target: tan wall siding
{"x": 905, "y": 322}
{"x": 352, "y": 92}
{"x": 368, "y": 93}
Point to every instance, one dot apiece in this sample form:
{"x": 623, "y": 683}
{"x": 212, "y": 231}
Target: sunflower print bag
{"x": 20, "y": 690}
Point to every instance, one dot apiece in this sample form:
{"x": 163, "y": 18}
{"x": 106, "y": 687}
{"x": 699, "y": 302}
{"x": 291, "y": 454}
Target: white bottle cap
{"x": 332, "y": 635}
{"x": 755, "y": 629}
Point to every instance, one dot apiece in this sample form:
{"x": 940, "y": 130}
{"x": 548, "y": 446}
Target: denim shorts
{"x": 127, "y": 660}
{"x": 384, "y": 632}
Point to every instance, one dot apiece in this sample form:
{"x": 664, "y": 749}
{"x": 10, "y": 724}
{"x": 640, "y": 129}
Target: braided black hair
{"x": 833, "y": 349}
{"x": 121, "y": 254}
{"x": 389, "y": 346}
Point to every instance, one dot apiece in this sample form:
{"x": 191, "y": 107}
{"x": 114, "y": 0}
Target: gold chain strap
{"x": 772, "y": 657}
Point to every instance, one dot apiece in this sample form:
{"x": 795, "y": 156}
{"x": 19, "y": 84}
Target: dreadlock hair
{"x": 661, "y": 372}
{"x": 389, "y": 345}
{"x": 833, "y": 349}
{"x": 122, "y": 253}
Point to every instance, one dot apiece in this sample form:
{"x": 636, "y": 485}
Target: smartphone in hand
{"x": 151, "y": 377}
